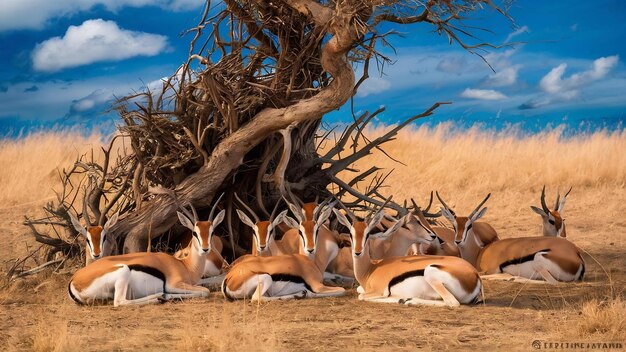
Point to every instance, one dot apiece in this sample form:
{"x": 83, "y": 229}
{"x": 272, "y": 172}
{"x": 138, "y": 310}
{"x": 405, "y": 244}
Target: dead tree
{"x": 243, "y": 113}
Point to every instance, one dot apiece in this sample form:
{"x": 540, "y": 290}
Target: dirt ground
{"x": 36, "y": 313}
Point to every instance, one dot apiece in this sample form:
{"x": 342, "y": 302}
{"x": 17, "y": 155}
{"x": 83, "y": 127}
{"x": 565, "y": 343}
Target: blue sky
{"x": 64, "y": 61}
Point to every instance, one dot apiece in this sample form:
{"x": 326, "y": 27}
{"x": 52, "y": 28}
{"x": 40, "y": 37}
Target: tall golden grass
{"x": 471, "y": 162}
{"x": 29, "y": 164}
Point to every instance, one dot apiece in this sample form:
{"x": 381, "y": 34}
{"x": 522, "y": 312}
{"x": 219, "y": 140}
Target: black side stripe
{"x": 291, "y": 278}
{"x": 150, "y": 271}
{"x": 74, "y": 298}
{"x": 521, "y": 260}
{"x": 409, "y": 274}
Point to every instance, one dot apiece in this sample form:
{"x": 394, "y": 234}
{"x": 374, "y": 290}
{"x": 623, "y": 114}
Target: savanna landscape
{"x": 270, "y": 123}
{"x": 37, "y": 313}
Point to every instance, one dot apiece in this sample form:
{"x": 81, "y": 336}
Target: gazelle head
{"x": 201, "y": 231}
{"x": 95, "y": 235}
{"x": 360, "y": 230}
{"x": 463, "y": 224}
{"x": 417, "y": 222}
{"x": 553, "y": 221}
{"x": 310, "y": 216}
{"x": 262, "y": 230}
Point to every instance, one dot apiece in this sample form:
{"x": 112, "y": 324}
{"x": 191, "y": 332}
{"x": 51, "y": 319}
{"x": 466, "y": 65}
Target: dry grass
{"x": 472, "y": 163}
{"x": 30, "y": 164}
{"x": 603, "y": 318}
{"x": 464, "y": 167}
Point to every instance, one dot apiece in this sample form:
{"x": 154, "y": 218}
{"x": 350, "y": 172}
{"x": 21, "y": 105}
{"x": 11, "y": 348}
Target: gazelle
{"x": 264, "y": 278}
{"x": 264, "y": 242}
{"x": 414, "y": 227}
{"x": 471, "y": 234}
{"x": 414, "y": 280}
{"x": 95, "y": 237}
{"x": 214, "y": 260}
{"x": 553, "y": 221}
{"x": 317, "y": 241}
{"x": 550, "y": 258}
{"x": 148, "y": 277}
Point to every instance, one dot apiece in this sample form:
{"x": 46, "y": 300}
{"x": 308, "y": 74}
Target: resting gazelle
{"x": 414, "y": 280}
{"x": 471, "y": 234}
{"x": 279, "y": 277}
{"x": 317, "y": 241}
{"x": 263, "y": 236}
{"x": 552, "y": 259}
{"x": 553, "y": 221}
{"x": 95, "y": 237}
{"x": 148, "y": 277}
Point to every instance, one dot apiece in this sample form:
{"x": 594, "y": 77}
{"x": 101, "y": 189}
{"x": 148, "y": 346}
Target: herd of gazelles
{"x": 404, "y": 260}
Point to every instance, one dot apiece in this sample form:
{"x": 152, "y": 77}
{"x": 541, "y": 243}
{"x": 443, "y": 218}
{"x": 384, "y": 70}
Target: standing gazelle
{"x": 95, "y": 236}
{"x": 142, "y": 278}
{"x": 471, "y": 235}
{"x": 414, "y": 280}
{"x": 553, "y": 221}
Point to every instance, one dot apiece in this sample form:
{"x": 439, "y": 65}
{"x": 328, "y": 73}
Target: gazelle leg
{"x": 121, "y": 292}
{"x": 546, "y": 275}
{"x": 263, "y": 284}
{"x": 334, "y": 293}
{"x": 499, "y": 277}
{"x": 300, "y": 295}
{"x": 185, "y": 290}
{"x": 212, "y": 281}
{"x": 448, "y": 297}
{"x": 424, "y": 302}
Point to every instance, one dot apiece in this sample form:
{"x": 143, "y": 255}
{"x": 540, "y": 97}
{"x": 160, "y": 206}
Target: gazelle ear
{"x": 244, "y": 218}
{"x": 295, "y": 211}
{"x": 324, "y": 215}
{"x": 448, "y": 215}
{"x": 342, "y": 218}
{"x": 291, "y": 222}
{"x": 392, "y": 228}
{"x": 279, "y": 218}
{"x": 185, "y": 221}
{"x": 77, "y": 225}
{"x": 376, "y": 220}
{"x": 479, "y": 243}
{"x": 562, "y": 204}
{"x": 479, "y": 214}
{"x": 538, "y": 211}
{"x": 111, "y": 222}
{"x": 218, "y": 218}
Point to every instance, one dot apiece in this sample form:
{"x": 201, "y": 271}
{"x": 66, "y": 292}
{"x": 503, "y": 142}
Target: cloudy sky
{"x": 65, "y": 60}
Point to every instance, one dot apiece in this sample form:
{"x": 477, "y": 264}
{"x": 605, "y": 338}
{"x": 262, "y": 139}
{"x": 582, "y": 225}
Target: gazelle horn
{"x": 543, "y": 200}
{"x": 479, "y": 205}
{"x": 256, "y": 218}
{"x": 444, "y": 203}
{"x": 214, "y": 206}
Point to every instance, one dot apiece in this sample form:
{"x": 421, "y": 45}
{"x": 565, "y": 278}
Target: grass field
{"x": 36, "y": 314}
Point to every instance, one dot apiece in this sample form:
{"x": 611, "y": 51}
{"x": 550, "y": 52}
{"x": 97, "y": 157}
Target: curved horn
{"x": 425, "y": 212}
{"x": 543, "y": 200}
{"x": 444, "y": 203}
{"x": 350, "y": 214}
{"x": 320, "y": 207}
{"x": 558, "y": 198}
{"x": 215, "y": 206}
{"x": 430, "y": 203}
{"x": 275, "y": 208}
{"x": 479, "y": 205}
{"x": 256, "y": 218}
{"x": 85, "y": 210}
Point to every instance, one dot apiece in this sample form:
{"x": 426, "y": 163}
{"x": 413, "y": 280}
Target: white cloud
{"x": 373, "y": 85}
{"x": 453, "y": 64}
{"x": 482, "y": 94}
{"x": 503, "y": 77}
{"x": 93, "y": 41}
{"x": 554, "y": 83}
{"x": 35, "y": 14}
{"x": 562, "y": 90}
{"x": 521, "y": 30}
